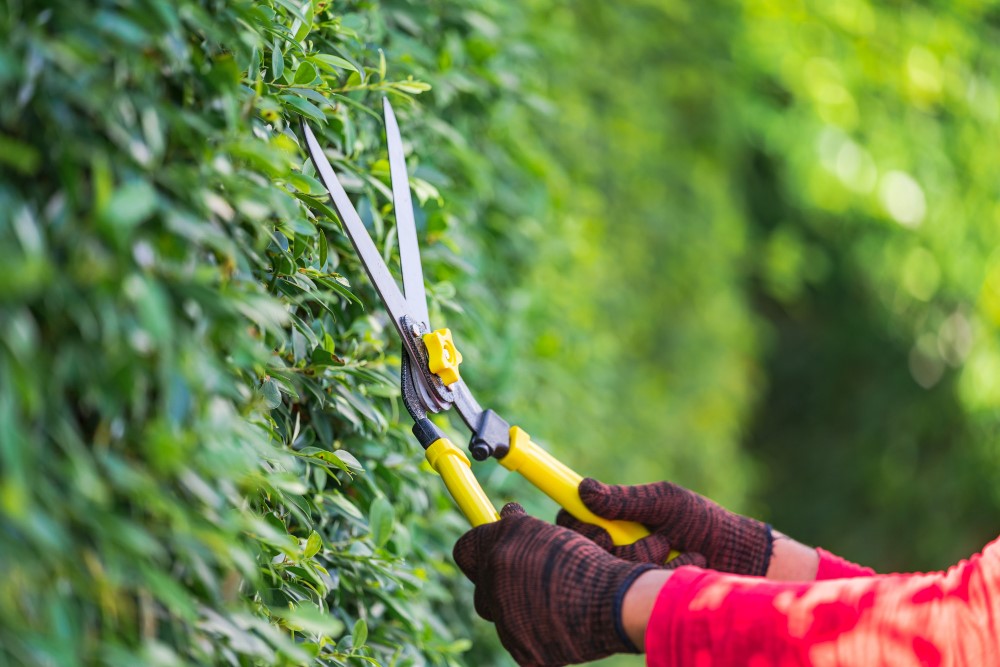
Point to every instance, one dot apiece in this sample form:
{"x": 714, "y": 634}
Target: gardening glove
{"x": 653, "y": 549}
{"x": 690, "y": 522}
{"x": 554, "y": 595}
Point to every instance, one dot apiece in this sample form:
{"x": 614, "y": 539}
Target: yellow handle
{"x": 547, "y": 473}
{"x": 561, "y": 484}
{"x": 453, "y": 465}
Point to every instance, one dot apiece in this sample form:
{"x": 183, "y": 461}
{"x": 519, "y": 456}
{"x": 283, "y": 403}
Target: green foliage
{"x": 201, "y": 454}
{"x": 750, "y": 247}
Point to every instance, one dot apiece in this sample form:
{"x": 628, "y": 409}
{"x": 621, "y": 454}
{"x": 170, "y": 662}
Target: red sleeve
{"x": 705, "y": 618}
{"x": 832, "y": 566}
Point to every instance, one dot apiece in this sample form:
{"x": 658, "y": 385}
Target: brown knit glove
{"x": 692, "y": 523}
{"x": 653, "y": 549}
{"x": 554, "y": 595}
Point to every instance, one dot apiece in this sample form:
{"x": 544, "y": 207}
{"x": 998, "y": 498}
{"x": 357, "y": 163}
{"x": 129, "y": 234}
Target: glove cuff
{"x": 619, "y": 599}
{"x": 768, "y": 550}
{"x": 742, "y": 546}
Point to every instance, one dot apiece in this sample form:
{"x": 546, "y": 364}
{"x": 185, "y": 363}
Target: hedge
{"x": 202, "y": 458}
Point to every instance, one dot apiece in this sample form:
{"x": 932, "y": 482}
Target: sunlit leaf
{"x": 332, "y": 63}
{"x": 313, "y": 545}
{"x": 311, "y": 620}
{"x": 359, "y": 634}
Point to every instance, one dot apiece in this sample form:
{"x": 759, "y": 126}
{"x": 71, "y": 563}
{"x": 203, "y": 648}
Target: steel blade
{"x": 371, "y": 259}
{"x": 406, "y": 227}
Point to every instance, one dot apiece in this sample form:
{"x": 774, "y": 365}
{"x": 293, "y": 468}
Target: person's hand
{"x": 555, "y": 596}
{"x": 693, "y": 524}
{"x": 653, "y": 549}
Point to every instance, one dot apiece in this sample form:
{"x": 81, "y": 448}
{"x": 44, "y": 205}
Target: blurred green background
{"x": 750, "y": 247}
{"x": 777, "y": 282}
{"x": 779, "y": 278}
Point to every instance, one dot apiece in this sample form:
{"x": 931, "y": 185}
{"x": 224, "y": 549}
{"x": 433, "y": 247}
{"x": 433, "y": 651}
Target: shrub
{"x": 201, "y": 455}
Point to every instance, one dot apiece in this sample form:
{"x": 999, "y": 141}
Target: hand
{"x": 554, "y": 595}
{"x": 653, "y": 549}
{"x": 692, "y": 523}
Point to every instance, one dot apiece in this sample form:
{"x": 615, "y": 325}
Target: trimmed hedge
{"x": 202, "y": 459}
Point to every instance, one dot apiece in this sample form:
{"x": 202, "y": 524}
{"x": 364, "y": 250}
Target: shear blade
{"x": 371, "y": 259}
{"x": 413, "y": 306}
{"x": 406, "y": 228}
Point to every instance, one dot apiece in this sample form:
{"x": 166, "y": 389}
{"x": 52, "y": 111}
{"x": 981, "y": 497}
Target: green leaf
{"x": 411, "y": 87}
{"x": 169, "y": 592}
{"x": 310, "y": 619}
{"x": 130, "y": 205}
{"x": 253, "y": 69}
{"x": 23, "y": 157}
{"x": 300, "y": 243}
{"x": 117, "y": 25}
{"x": 381, "y": 516}
{"x": 294, "y": 10}
{"x": 324, "y": 254}
{"x": 334, "y": 281}
{"x": 339, "y": 288}
{"x": 152, "y": 306}
{"x": 332, "y": 63}
{"x": 344, "y": 505}
{"x": 344, "y": 461}
{"x": 457, "y": 646}
{"x": 306, "y": 184}
{"x": 305, "y": 74}
{"x": 321, "y": 357}
{"x": 348, "y": 459}
{"x": 317, "y": 204}
{"x": 304, "y": 107}
{"x": 271, "y": 392}
{"x": 359, "y": 635}
{"x": 277, "y": 62}
{"x": 314, "y": 543}
{"x": 310, "y": 94}
{"x": 305, "y": 26}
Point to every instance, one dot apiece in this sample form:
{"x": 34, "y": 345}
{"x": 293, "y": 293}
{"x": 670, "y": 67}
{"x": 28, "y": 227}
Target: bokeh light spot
{"x": 903, "y": 198}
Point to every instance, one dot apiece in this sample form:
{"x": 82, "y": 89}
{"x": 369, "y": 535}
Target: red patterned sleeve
{"x": 704, "y": 618}
{"x": 832, "y": 566}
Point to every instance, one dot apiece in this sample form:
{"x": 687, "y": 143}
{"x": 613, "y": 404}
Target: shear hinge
{"x": 491, "y": 438}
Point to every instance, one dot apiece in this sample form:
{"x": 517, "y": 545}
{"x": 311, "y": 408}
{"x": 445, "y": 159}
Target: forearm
{"x": 637, "y": 606}
{"x": 794, "y": 561}
{"x": 791, "y": 560}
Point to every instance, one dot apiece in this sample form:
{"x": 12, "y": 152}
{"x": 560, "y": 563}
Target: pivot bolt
{"x": 442, "y": 357}
{"x": 479, "y": 451}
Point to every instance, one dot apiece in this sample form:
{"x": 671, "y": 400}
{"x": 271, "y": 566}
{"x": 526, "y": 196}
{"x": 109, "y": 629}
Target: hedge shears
{"x": 429, "y": 370}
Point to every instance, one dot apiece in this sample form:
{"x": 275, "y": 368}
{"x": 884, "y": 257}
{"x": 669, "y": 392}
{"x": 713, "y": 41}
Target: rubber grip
{"x": 562, "y": 485}
{"x": 455, "y": 469}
